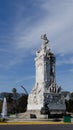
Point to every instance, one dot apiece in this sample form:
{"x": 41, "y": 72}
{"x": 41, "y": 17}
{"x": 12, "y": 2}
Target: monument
{"x": 46, "y": 93}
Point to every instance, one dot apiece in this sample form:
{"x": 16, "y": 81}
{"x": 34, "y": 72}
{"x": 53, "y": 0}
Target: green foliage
{"x": 14, "y": 90}
{"x": 0, "y": 106}
{"x": 71, "y": 96}
{"x": 15, "y": 103}
{"x": 9, "y": 98}
{"x": 22, "y": 103}
{"x": 3, "y": 120}
{"x": 69, "y": 105}
{"x": 18, "y": 106}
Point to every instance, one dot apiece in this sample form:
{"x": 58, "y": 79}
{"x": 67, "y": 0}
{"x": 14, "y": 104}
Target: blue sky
{"x": 21, "y": 24}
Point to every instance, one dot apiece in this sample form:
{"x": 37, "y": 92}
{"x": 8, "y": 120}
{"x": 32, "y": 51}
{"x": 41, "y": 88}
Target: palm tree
{"x": 14, "y": 90}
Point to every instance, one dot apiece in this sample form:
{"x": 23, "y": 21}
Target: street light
{"x": 24, "y": 90}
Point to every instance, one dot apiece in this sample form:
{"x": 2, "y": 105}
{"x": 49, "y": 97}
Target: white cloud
{"x": 25, "y": 79}
{"x": 71, "y": 70}
{"x": 22, "y": 36}
{"x": 57, "y": 22}
{"x": 65, "y": 60}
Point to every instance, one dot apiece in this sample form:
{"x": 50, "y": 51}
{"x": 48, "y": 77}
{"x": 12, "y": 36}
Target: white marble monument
{"x": 45, "y": 91}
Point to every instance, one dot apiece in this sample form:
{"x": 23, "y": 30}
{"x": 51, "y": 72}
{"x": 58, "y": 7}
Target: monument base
{"x": 34, "y": 106}
{"x": 36, "y": 114}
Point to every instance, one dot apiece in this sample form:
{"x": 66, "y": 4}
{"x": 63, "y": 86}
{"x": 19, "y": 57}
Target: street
{"x": 38, "y": 127}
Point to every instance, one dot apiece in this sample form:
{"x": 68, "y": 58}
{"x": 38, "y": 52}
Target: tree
{"x": 1, "y": 106}
{"x": 22, "y": 103}
{"x": 14, "y": 99}
{"x": 71, "y": 96}
{"x": 69, "y": 103}
{"x": 14, "y": 90}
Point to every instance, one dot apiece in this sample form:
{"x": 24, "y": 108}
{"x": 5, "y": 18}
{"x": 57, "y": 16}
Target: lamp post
{"x": 24, "y": 90}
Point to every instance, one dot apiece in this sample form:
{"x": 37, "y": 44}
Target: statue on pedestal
{"x": 45, "y": 41}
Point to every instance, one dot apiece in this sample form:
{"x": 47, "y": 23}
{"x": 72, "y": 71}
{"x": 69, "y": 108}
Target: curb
{"x": 35, "y": 123}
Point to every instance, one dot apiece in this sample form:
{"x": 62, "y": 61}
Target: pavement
{"x": 38, "y": 127}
